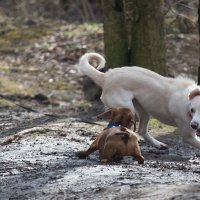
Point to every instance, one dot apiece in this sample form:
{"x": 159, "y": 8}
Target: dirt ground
{"x": 40, "y": 163}
{"x": 38, "y": 152}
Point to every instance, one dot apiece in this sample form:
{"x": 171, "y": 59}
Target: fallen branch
{"x": 17, "y": 136}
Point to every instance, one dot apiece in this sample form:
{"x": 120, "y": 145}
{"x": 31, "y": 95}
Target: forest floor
{"x": 38, "y": 152}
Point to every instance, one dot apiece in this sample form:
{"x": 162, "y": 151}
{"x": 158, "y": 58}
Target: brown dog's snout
{"x": 194, "y": 125}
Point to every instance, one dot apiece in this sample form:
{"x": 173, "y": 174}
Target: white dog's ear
{"x": 194, "y": 93}
{"x": 105, "y": 115}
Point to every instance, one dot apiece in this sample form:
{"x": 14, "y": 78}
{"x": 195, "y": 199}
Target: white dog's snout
{"x": 194, "y": 125}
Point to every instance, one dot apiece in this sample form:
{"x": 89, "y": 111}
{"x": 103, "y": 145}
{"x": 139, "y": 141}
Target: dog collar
{"x": 113, "y": 124}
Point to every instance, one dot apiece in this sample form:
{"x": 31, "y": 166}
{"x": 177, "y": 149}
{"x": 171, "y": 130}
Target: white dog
{"x": 173, "y": 101}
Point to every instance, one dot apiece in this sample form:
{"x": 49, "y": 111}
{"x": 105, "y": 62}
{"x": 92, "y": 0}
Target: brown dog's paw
{"x": 104, "y": 161}
{"x": 81, "y": 154}
{"x": 141, "y": 160}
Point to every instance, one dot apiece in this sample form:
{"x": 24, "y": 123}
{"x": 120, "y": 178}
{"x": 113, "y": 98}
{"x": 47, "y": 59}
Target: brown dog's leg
{"x": 140, "y": 159}
{"x": 137, "y": 154}
{"x": 84, "y": 154}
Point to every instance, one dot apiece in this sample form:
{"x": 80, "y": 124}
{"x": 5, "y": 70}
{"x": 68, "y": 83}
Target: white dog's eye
{"x": 192, "y": 110}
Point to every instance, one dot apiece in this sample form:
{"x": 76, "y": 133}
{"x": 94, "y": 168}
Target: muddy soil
{"x": 38, "y": 152}
{"x": 38, "y": 161}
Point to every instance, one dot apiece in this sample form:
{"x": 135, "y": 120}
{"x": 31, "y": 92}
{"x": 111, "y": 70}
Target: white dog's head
{"x": 194, "y": 106}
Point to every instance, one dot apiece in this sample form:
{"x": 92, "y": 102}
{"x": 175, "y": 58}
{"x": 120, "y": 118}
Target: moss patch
{"x": 83, "y": 105}
{"x": 21, "y": 36}
{"x": 58, "y": 85}
{"x": 4, "y": 66}
{"x": 10, "y": 87}
{"x": 157, "y": 128}
{"x": 87, "y": 28}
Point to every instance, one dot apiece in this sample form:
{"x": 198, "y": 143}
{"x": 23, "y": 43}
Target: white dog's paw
{"x": 159, "y": 145}
{"x": 155, "y": 143}
{"x": 163, "y": 146}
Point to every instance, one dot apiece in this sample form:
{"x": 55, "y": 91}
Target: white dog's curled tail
{"x": 89, "y": 70}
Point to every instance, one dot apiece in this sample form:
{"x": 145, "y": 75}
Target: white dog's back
{"x": 166, "y": 99}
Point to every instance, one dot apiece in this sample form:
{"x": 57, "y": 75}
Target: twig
{"x": 186, "y": 6}
{"x": 80, "y": 11}
{"x": 91, "y": 12}
{"x": 85, "y": 9}
{"x": 170, "y": 6}
{"x": 16, "y": 136}
{"x": 176, "y": 14}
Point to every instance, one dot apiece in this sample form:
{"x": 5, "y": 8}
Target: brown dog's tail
{"x": 124, "y": 136}
{"x": 89, "y": 70}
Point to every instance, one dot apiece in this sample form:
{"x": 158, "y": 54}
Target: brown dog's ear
{"x": 194, "y": 93}
{"x": 105, "y": 115}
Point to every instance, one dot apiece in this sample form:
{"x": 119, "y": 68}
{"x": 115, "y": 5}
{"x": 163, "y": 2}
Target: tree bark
{"x": 148, "y": 35}
{"x": 115, "y": 35}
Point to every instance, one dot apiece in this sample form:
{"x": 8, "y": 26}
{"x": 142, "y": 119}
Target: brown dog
{"x": 116, "y": 140}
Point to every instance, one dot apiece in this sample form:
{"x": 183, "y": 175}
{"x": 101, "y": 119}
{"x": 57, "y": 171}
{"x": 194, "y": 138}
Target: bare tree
{"x": 115, "y": 37}
{"x": 148, "y": 37}
{"x": 147, "y": 34}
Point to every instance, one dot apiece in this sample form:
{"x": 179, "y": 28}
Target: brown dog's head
{"x": 123, "y": 116}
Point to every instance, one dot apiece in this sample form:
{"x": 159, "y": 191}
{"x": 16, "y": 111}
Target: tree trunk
{"x": 115, "y": 36}
{"x": 148, "y": 38}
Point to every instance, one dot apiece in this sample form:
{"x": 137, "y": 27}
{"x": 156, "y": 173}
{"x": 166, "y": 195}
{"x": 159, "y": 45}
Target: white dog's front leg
{"x": 189, "y": 136}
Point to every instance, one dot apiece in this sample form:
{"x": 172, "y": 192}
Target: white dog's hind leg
{"x": 143, "y": 127}
{"x": 118, "y": 101}
{"x": 143, "y": 131}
